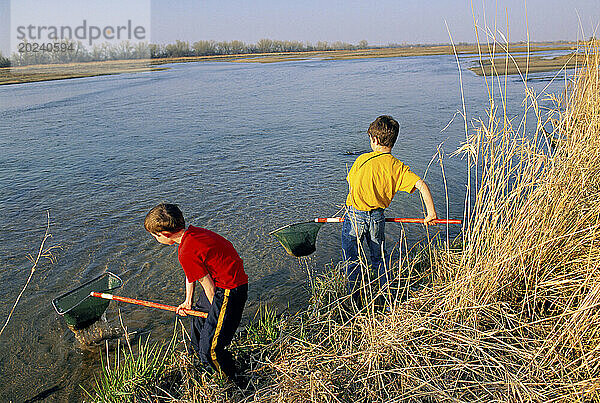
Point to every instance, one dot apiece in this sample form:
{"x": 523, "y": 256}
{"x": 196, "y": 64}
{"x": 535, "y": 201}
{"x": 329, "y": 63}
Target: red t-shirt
{"x": 203, "y": 252}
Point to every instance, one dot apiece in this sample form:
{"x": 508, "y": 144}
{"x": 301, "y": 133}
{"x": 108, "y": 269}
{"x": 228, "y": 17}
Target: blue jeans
{"x": 357, "y": 226}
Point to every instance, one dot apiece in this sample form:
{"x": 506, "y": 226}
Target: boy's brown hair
{"x": 164, "y": 217}
{"x": 385, "y": 130}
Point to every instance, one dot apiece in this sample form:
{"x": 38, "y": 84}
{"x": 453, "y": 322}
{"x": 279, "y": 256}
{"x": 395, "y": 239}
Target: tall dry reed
{"x": 510, "y": 316}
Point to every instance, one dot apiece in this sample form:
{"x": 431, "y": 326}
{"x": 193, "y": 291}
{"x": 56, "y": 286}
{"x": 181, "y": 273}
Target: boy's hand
{"x": 426, "y": 194}
{"x": 185, "y": 305}
{"x": 430, "y": 219}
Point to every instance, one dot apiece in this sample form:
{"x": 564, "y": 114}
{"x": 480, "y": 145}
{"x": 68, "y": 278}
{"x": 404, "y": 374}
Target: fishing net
{"x": 79, "y": 309}
{"x": 298, "y": 239}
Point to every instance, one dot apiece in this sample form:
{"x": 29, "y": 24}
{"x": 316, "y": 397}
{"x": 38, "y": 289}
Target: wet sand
{"x": 521, "y": 64}
{"x": 48, "y": 72}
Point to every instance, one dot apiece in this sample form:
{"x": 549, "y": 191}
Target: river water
{"x": 242, "y": 148}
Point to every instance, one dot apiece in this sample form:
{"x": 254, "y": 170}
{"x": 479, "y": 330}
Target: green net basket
{"x": 298, "y": 239}
{"x": 78, "y": 308}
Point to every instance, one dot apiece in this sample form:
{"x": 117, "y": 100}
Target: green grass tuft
{"x": 265, "y": 327}
{"x": 135, "y": 375}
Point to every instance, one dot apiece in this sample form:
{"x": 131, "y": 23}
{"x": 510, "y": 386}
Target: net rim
{"x": 294, "y": 224}
{"x": 62, "y": 312}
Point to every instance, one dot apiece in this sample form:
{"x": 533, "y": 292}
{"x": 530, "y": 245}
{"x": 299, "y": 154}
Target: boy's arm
{"x": 426, "y": 194}
{"x": 189, "y": 297}
{"x": 209, "y": 287}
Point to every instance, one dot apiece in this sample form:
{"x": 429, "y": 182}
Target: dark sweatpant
{"x": 210, "y": 336}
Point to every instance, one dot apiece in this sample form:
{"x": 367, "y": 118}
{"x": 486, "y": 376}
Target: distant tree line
{"x": 4, "y": 61}
{"x": 76, "y": 52}
{"x": 212, "y": 48}
{"x": 125, "y": 50}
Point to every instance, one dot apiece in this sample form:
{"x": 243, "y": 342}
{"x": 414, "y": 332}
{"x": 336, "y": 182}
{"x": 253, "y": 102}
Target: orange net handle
{"x": 147, "y": 303}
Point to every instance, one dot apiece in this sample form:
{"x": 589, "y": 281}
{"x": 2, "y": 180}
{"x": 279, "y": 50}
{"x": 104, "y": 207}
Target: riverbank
{"x": 35, "y": 73}
{"x": 522, "y": 64}
{"x": 505, "y": 313}
{"x": 50, "y": 72}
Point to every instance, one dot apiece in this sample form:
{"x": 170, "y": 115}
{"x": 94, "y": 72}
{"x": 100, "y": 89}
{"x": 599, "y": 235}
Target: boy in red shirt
{"x": 211, "y": 260}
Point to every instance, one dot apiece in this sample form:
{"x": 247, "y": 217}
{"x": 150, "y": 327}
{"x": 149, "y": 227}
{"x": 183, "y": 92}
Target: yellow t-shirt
{"x": 375, "y": 178}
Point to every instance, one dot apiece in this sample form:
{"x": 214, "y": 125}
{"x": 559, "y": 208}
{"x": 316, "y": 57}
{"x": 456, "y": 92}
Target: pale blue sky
{"x": 378, "y": 21}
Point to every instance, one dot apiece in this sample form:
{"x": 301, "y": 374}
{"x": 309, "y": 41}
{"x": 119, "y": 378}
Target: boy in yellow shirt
{"x": 374, "y": 179}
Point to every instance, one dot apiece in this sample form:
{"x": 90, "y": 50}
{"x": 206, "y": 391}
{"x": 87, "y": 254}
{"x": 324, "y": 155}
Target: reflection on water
{"x": 243, "y": 149}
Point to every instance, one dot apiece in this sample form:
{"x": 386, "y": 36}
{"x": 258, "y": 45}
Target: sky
{"x": 379, "y": 22}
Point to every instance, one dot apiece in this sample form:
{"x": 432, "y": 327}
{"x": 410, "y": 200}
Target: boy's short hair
{"x": 164, "y": 217}
{"x": 385, "y": 130}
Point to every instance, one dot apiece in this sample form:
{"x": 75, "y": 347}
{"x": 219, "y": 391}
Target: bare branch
{"x": 42, "y": 253}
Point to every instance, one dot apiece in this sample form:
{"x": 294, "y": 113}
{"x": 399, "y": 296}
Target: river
{"x": 242, "y": 148}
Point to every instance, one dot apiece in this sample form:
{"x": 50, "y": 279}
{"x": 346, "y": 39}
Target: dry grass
{"x": 511, "y": 316}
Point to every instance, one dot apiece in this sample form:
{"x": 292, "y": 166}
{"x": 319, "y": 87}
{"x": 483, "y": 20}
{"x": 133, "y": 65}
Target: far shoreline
{"x": 518, "y": 63}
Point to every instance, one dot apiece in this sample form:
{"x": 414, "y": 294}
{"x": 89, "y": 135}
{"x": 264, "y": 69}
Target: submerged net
{"x": 79, "y": 309}
{"x": 97, "y": 332}
{"x": 298, "y": 239}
